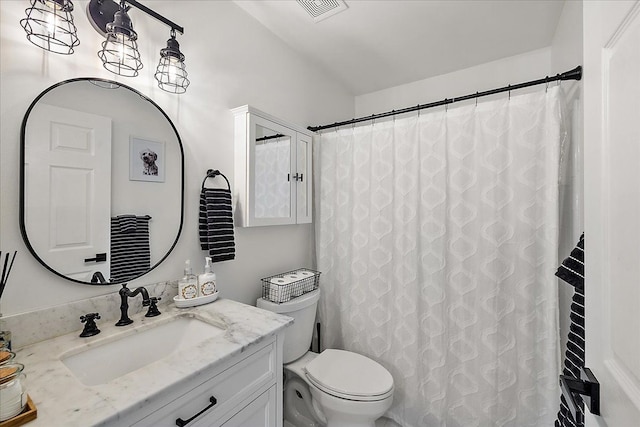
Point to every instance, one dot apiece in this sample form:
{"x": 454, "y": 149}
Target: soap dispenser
{"x": 207, "y": 280}
{"x": 188, "y": 285}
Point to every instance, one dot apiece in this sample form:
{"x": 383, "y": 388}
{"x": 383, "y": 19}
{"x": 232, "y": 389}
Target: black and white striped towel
{"x": 215, "y": 226}
{"x": 572, "y": 271}
{"x": 130, "y": 252}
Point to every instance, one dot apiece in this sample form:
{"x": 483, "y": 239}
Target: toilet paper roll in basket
{"x": 305, "y": 273}
{"x": 280, "y": 289}
{"x": 309, "y": 279}
{"x": 296, "y": 284}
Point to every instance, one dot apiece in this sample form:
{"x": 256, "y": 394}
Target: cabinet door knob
{"x": 180, "y": 422}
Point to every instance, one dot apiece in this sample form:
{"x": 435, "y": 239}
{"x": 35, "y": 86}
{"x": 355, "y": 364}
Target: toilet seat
{"x": 349, "y": 376}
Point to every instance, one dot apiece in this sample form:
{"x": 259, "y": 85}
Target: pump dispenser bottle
{"x": 188, "y": 285}
{"x": 207, "y": 280}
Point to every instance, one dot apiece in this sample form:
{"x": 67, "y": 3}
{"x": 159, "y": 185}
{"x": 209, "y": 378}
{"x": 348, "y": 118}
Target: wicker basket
{"x": 292, "y": 284}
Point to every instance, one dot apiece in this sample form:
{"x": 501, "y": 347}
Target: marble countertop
{"x": 62, "y": 400}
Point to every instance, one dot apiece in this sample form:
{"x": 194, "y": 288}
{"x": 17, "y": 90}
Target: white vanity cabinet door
{"x": 260, "y": 412}
{"x": 230, "y": 388}
{"x": 273, "y": 179}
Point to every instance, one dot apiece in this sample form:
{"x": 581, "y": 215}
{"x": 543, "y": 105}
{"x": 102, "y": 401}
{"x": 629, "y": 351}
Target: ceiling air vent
{"x": 322, "y": 9}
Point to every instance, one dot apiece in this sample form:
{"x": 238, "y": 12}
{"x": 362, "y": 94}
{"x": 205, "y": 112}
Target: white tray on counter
{"x": 184, "y": 303}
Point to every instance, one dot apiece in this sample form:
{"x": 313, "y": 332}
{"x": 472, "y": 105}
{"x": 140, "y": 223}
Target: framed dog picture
{"x": 146, "y": 160}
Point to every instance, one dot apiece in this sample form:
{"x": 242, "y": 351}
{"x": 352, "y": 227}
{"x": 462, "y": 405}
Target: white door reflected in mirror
{"x": 69, "y": 161}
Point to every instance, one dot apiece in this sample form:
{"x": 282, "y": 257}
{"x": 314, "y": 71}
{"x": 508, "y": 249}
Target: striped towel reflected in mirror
{"x": 215, "y": 226}
{"x": 572, "y": 271}
{"x": 130, "y": 251}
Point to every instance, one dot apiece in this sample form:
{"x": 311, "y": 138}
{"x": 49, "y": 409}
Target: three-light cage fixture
{"x": 49, "y": 25}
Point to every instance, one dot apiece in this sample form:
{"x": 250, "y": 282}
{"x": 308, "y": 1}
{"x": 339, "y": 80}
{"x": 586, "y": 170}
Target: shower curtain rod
{"x": 575, "y": 74}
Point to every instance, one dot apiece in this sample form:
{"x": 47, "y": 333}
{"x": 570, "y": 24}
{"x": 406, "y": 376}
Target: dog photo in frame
{"x": 146, "y": 160}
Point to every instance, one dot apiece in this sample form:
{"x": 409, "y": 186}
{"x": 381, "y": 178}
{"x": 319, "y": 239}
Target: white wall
{"x": 232, "y": 60}
{"x": 514, "y": 69}
{"x": 566, "y": 53}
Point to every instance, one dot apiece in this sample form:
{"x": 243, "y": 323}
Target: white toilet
{"x": 335, "y": 388}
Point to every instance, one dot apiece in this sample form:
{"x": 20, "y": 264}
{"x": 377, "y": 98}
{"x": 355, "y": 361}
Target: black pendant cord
{"x": 575, "y": 74}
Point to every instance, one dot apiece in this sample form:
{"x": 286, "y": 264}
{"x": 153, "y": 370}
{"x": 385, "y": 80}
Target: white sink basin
{"x": 102, "y": 363}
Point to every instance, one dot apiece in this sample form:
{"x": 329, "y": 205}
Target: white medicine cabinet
{"x": 273, "y": 183}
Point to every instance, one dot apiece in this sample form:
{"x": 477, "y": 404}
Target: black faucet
{"x": 125, "y": 293}
{"x": 98, "y": 278}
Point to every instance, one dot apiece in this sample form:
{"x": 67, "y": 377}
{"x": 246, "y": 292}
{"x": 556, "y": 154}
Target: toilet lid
{"x": 349, "y": 375}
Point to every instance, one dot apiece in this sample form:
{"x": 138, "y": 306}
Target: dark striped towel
{"x": 130, "y": 253}
{"x": 216, "y": 224}
{"x": 127, "y": 223}
{"x": 572, "y": 271}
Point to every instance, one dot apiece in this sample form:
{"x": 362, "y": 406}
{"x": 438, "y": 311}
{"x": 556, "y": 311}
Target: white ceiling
{"x": 376, "y": 44}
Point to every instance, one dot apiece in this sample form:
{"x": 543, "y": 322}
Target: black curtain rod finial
{"x": 575, "y": 74}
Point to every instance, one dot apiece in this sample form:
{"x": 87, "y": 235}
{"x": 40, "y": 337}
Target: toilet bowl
{"x": 335, "y": 388}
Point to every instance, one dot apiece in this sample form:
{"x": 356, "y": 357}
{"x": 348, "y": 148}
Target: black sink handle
{"x": 90, "y": 327}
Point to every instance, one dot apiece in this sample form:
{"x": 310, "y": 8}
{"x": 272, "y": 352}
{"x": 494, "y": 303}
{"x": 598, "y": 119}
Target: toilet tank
{"x": 297, "y": 337}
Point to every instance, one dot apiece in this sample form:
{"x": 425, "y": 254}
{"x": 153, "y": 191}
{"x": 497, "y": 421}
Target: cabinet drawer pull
{"x": 180, "y": 422}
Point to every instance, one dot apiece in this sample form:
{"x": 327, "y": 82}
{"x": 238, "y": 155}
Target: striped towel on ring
{"x": 216, "y": 224}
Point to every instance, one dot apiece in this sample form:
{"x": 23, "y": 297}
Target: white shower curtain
{"x": 437, "y": 239}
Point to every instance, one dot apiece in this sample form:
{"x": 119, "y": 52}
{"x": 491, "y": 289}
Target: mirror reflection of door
{"x": 272, "y": 173}
{"x": 80, "y": 141}
{"x": 69, "y": 189}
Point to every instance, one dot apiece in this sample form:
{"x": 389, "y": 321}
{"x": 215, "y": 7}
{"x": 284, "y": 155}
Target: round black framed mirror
{"x": 101, "y": 181}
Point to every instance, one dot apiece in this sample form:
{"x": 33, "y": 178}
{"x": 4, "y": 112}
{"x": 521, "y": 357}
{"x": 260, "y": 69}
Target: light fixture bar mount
{"x": 101, "y": 13}
{"x": 156, "y": 15}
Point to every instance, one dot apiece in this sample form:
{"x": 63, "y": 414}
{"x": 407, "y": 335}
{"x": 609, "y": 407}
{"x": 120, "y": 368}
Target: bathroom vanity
{"x": 217, "y": 364}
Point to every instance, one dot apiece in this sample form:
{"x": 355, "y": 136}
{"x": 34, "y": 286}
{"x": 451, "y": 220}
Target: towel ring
{"x": 212, "y": 173}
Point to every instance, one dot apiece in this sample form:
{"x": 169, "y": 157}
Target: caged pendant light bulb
{"x": 49, "y": 25}
{"x": 171, "y": 73}
{"x": 119, "y": 53}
